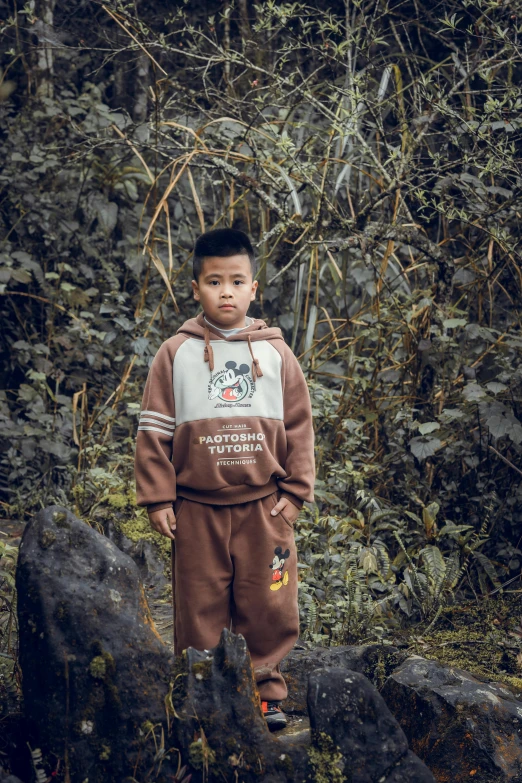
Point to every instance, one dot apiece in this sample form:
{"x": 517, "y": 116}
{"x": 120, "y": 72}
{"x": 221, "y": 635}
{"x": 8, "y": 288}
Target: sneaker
{"x": 274, "y": 715}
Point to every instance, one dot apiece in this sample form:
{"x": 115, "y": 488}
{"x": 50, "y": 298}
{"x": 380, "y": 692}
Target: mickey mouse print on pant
{"x": 278, "y": 563}
{"x": 232, "y": 384}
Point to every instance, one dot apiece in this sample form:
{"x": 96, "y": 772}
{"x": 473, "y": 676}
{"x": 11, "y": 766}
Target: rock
{"x": 462, "y": 728}
{"x": 144, "y": 552}
{"x": 375, "y": 661}
{"x": 6, "y": 777}
{"x": 348, "y": 713}
{"x": 220, "y": 720}
{"x": 95, "y": 672}
{"x": 153, "y": 566}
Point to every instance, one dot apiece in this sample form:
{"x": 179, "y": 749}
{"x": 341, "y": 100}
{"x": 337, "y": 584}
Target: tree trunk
{"x": 43, "y": 28}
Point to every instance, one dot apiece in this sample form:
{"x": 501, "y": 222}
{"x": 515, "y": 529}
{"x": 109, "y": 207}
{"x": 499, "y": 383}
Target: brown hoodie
{"x": 224, "y": 420}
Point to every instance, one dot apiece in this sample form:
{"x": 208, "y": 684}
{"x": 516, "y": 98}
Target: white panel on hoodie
{"x": 227, "y": 391}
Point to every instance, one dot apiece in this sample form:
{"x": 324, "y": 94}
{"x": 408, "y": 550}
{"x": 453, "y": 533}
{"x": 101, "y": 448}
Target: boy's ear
{"x": 195, "y": 290}
{"x": 254, "y": 289}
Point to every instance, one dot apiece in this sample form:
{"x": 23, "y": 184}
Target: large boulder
{"x": 375, "y": 661}
{"x": 95, "y": 671}
{"x": 348, "y": 715}
{"x": 464, "y": 729}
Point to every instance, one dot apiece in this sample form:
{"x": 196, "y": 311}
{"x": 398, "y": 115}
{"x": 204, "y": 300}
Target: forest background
{"x": 372, "y": 152}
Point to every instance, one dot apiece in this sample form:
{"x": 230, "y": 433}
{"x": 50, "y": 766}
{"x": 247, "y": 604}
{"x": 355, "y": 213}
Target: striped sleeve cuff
{"x": 158, "y": 422}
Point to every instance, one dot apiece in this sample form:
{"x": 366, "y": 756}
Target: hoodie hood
{"x": 258, "y": 330}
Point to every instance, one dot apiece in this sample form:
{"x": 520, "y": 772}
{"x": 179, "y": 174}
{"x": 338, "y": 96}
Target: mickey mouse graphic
{"x": 278, "y": 563}
{"x": 230, "y": 385}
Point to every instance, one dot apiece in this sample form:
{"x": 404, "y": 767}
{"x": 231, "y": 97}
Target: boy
{"x": 224, "y": 457}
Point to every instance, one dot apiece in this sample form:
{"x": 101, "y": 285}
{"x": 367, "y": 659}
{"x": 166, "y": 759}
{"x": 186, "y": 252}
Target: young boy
{"x": 225, "y": 458}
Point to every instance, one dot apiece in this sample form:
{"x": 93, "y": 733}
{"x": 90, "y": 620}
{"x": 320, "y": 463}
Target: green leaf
{"x": 424, "y": 447}
{"x": 451, "y": 413}
{"x": 498, "y": 425}
{"x": 454, "y": 530}
{"x": 107, "y": 215}
{"x": 473, "y": 392}
{"x": 21, "y": 275}
{"x": 495, "y": 387}
{"x": 428, "y": 426}
{"x": 452, "y": 323}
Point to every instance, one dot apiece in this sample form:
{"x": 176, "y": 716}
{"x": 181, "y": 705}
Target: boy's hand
{"x": 290, "y": 511}
{"x": 164, "y": 522}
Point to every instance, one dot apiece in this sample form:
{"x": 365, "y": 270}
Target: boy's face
{"x": 225, "y": 290}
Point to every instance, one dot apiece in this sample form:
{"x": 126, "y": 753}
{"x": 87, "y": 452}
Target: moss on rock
{"x": 137, "y": 528}
{"x": 202, "y": 670}
{"x": 98, "y": 667}
{"x": 201, "y": 755}
{"x": 480, "y": 637}
{"x": 118, "y": 500}
{"x": 325, "y": 760}
{"x": 60, "y": 519}
{"x": 47, "y": 538}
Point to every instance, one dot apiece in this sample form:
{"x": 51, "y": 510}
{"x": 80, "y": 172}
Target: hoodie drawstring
{"x": 208, "y": 352}
{"x": 256, "y": 367}
{"x": 208, "y": 355}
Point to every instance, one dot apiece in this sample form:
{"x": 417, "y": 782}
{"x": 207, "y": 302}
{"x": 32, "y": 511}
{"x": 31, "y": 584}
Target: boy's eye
{"x": 214, "y": 282}
{"x": 238, "y": 282}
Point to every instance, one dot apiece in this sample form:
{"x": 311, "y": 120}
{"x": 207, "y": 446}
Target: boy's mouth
{"x": 226, "y": 307}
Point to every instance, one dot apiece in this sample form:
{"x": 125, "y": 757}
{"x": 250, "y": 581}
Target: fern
{"x": 435, "y": 566}
{"x": 37, "y": 760}
{"x": 311, "y": 619}
{"x": 411, "y": 564}
{"x": 476, "y": 538}
{"x": 383, "y": 559}
{"x": 487, "y": 566}
{"x": 452, "y": 570}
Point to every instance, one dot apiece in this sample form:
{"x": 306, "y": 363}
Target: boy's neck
{"x": 227, "y": 327}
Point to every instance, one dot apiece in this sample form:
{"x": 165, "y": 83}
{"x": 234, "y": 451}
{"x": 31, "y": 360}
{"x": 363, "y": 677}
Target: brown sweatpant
{"x": 236, "y": 567}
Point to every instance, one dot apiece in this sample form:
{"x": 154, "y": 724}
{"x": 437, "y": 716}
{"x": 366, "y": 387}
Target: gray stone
{"x": 462, "y": 728}
{"x": 6, "y": 777}
{"x": 151, "y": 566}
{"x": 375, "y": 661}
{"x": 220, "y": 715}
{"x": 95, "y": 671}
{"x": 345, "y": 707}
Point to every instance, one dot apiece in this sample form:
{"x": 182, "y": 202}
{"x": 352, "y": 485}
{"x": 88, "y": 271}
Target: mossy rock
{"x": 137, "y": 528}
{"x": 480, "y": 637}
{"x": 326, "y": 760}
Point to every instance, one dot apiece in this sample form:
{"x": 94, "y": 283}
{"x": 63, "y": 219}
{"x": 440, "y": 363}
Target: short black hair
{"x": 222, "y": 242}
